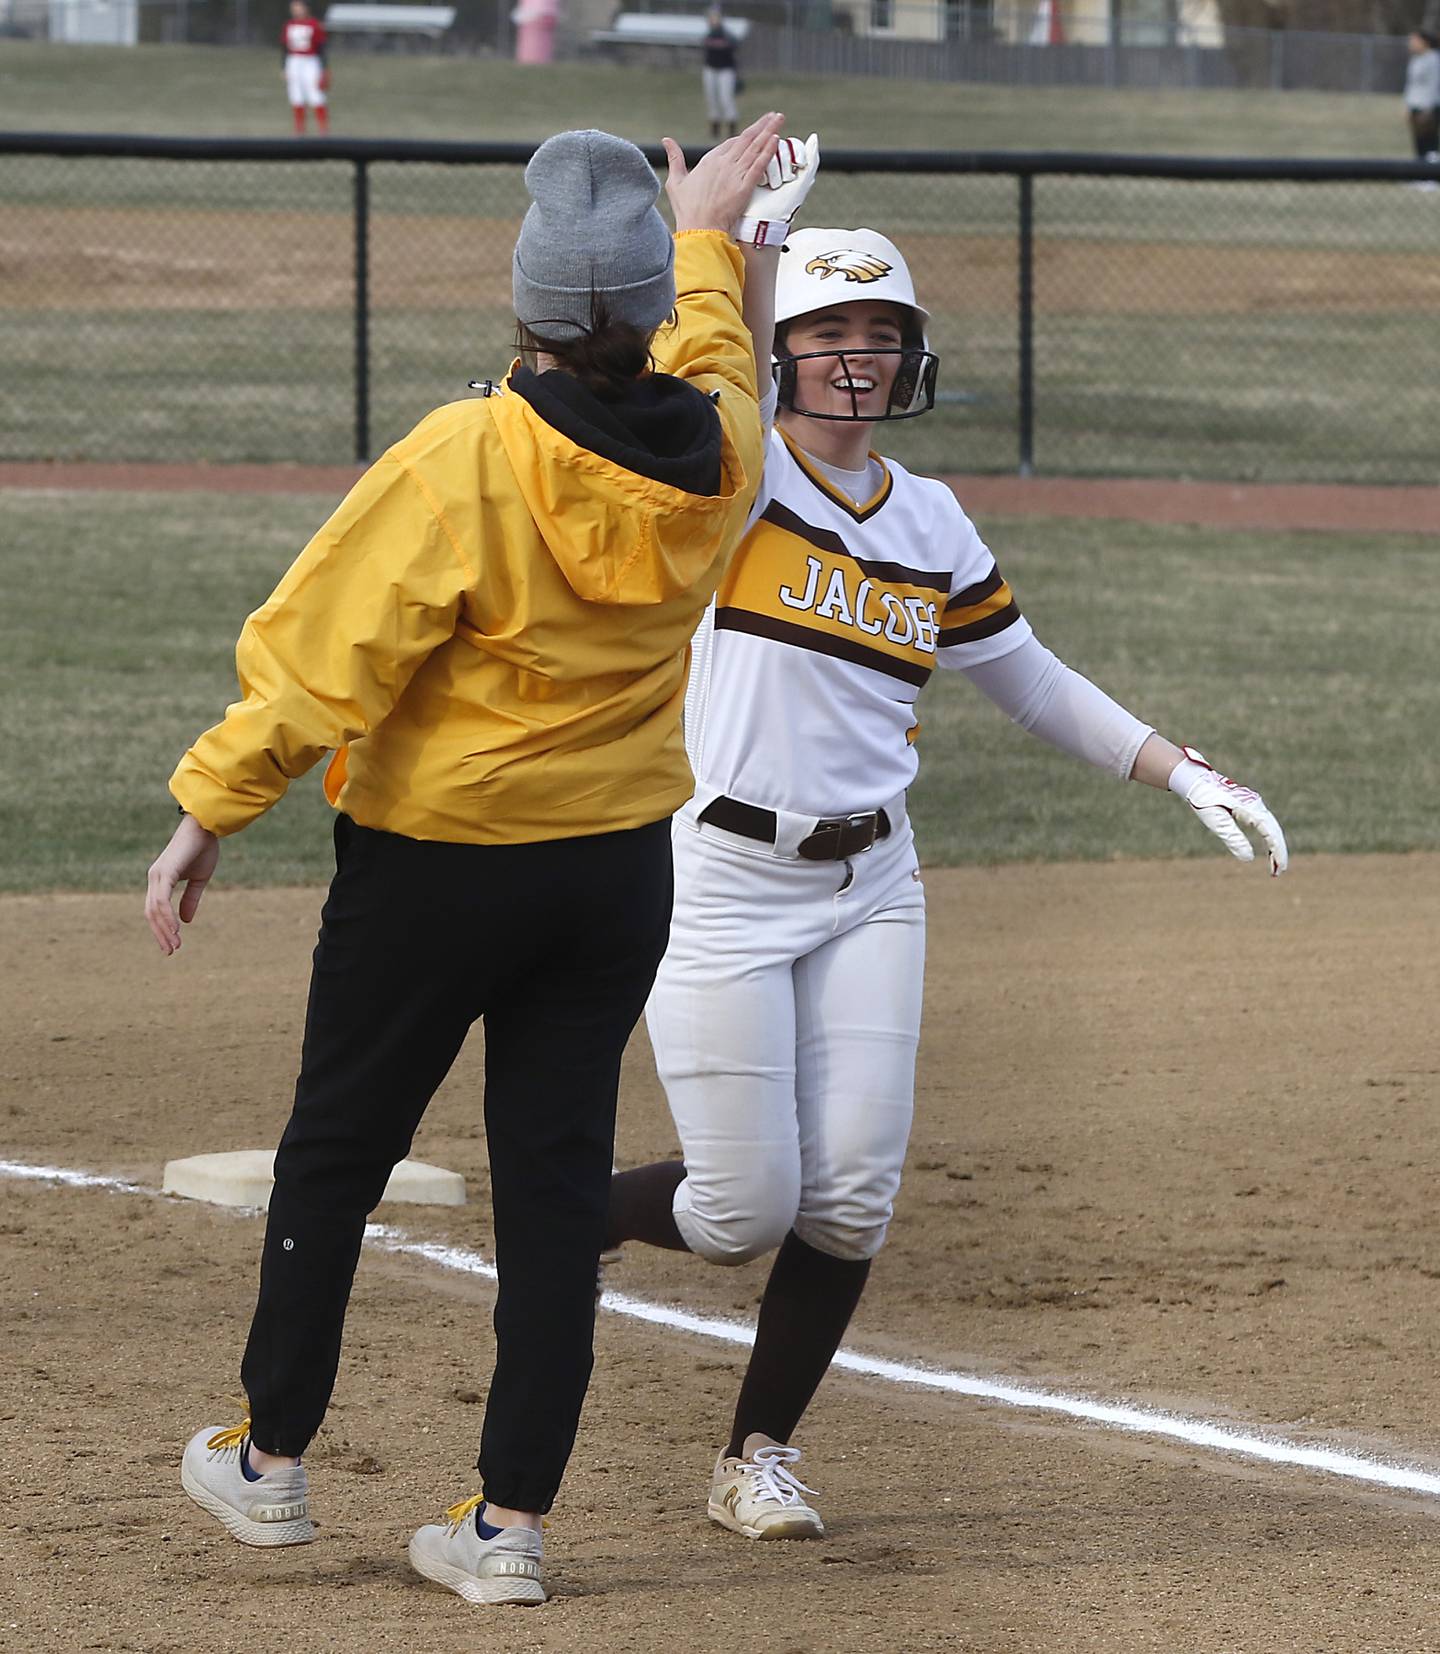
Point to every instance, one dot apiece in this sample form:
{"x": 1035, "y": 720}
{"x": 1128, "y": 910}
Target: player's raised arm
{"x": 761, "y": 233}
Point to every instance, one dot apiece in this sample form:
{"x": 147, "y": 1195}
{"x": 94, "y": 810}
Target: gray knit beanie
{"x": 593, "y": 228}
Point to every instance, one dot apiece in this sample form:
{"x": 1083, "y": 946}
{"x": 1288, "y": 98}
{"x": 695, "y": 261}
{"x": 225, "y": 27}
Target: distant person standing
{"x": 719, "y": 75}
{"x": 1422, "y": 98}
{"x": 307, "y": 80}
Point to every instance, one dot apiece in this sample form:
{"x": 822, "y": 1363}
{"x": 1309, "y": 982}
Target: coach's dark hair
{"x": 607, "y": 358}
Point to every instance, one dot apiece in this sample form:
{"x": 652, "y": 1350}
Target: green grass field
{"x": 1300, "y": 661}
{"x": 238, "y": 92}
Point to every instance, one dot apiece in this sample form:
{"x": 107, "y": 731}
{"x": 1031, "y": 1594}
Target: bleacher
{"x": 368, "y": 17}
{"x": 638, "y": 28}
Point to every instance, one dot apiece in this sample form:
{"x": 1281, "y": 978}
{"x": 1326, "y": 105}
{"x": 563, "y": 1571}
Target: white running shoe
{"x": 760, "y": 1497}
{"x": 503, "y": 1569}
{"x": 275, "y": 1510}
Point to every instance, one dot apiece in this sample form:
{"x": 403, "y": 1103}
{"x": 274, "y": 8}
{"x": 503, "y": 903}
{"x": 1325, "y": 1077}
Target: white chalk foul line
{"x": 1139, "y": 1420}
{"x": 74, "y": 1180}
{"x": 1198, "y": 1433}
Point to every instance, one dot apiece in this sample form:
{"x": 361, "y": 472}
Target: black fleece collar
{"x": 660, "y": 427}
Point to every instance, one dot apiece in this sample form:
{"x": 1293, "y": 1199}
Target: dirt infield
{"x": 1223, "y": 505}
{"x": 1174, "y": 1144}
{"x": 131, "y": 257}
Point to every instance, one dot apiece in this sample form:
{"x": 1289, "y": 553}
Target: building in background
{"x": 1037, "y": 22}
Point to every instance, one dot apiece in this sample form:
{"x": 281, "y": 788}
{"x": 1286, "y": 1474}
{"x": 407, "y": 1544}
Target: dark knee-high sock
{"x": 641, "y": 1206}
{"x": 807, "y": 1306}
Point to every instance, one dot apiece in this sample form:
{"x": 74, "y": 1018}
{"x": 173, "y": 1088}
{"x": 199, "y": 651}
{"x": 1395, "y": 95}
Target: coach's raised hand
{"x": 715, "y": 193}
{"x": 190, "y": 857}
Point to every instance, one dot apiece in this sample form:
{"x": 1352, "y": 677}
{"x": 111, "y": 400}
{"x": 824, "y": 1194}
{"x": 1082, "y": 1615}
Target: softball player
{"x": 307, "y": 79}
{"x": 1422, "y": 97}
{"x": 490, "y": 635}
{"x": 786, "y": 1013}
{"x": 719, "y": 75}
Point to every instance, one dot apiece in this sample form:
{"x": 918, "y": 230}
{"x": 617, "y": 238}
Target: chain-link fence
{"x": 249, "y": 300}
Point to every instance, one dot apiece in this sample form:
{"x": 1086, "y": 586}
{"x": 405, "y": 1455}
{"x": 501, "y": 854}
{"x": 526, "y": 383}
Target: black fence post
{"x": 362, "y": 313}
{"x": 1027, "y": 323}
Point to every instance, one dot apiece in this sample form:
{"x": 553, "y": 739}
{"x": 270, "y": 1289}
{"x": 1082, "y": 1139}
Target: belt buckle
{"x": 841, "y": 837}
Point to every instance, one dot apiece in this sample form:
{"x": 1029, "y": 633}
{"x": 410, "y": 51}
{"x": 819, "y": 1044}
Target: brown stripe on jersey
{"x": 978, "y": 592}
{"x": 823, "y": 643}
{"x": 976, "y": 629}
{"x": 824, "y": 539}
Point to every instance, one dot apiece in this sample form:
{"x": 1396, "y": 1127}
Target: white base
{"x": 244, "y": 1177}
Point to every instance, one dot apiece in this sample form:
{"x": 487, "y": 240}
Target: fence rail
{"x": 267, "y": 299}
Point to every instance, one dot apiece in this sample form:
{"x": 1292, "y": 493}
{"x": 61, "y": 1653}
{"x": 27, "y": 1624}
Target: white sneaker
{"x": 759, "y": 1497}
{"x": 275, "y": 1510}
{"x": 503, "y": 1569}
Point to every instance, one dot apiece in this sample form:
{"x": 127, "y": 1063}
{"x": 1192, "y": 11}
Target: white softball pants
{"x": 784, "y": 1021}
{"x": 302, "y": 81}
{"x": 719, "y": 85}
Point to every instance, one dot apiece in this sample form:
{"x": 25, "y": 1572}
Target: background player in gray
{"x": 1422, "y": 98}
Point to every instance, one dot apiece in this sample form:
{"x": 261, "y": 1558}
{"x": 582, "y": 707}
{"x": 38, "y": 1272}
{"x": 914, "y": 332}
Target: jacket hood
{"x": 632, "y": 495}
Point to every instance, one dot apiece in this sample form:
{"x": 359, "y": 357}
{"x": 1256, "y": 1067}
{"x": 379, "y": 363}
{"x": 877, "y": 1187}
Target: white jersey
{"x": 827, "y": 625}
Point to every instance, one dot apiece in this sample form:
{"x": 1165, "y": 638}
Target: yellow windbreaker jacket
{"x": 492, "y": 632}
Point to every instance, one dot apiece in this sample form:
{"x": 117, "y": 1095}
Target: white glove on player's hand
{"x": 1225, "y": 807}
{"x": 779, "y": 194}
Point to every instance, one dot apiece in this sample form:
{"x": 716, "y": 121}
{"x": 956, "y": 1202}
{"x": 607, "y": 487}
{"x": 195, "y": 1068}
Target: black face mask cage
{"x": 914, "y": 384}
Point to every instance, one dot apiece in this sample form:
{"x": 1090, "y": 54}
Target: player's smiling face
{"x": 859, "y": 383}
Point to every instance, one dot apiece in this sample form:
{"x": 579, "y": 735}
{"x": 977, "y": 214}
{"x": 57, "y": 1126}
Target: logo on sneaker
{"x": 732, "y": 1499}
{"x": 524, "y": 1568}
{"x": 280, "y": 1513}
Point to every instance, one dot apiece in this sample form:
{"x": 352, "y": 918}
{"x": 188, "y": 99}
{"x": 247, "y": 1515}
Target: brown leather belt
{"x": 835, "y": 839}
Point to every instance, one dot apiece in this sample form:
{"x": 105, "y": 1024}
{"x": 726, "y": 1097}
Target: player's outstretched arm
{"x": 1223, "y": 805}
{"x": 190, "y": 857}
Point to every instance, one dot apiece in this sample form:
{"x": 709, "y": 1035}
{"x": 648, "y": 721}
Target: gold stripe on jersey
{"x": 835, "y": 495}
{"x": 801, "y": 585}
{"x": 979, "y": 611}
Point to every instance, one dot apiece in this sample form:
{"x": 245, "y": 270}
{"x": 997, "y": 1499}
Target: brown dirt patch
{"x": 1111, "y": 276}
{"x": 118, "y": 258}
{"x": 1174, "y": 1143}
{"x": 112, "y": 258}
{"x": 1279, "y": 506}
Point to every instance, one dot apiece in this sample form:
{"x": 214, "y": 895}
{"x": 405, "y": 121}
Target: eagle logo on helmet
{"x": 850, "y": 263}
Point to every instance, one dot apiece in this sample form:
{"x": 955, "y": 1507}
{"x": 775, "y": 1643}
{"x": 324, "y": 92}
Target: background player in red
{"x": 307, "y": 79}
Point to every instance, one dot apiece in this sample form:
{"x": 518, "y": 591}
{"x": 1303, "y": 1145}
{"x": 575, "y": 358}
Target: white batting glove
{"x": 778, "y": 195}
{"x": 1225, "y": 807}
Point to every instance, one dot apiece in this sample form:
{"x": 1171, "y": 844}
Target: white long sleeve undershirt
{"x": 1044, "y": 696}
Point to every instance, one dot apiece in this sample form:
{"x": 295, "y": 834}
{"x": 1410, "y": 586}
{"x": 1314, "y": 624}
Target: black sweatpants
{"x": 555, "y": 945}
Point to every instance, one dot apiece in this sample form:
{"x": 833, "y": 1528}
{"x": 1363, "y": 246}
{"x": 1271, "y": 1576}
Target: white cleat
{"x": 275, "y": 1510}
{"x": 760, "y": 1497}
{"x": 499, "y": 1570}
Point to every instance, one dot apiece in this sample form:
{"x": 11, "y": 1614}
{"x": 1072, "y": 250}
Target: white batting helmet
{"x": 825, "y": 267}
